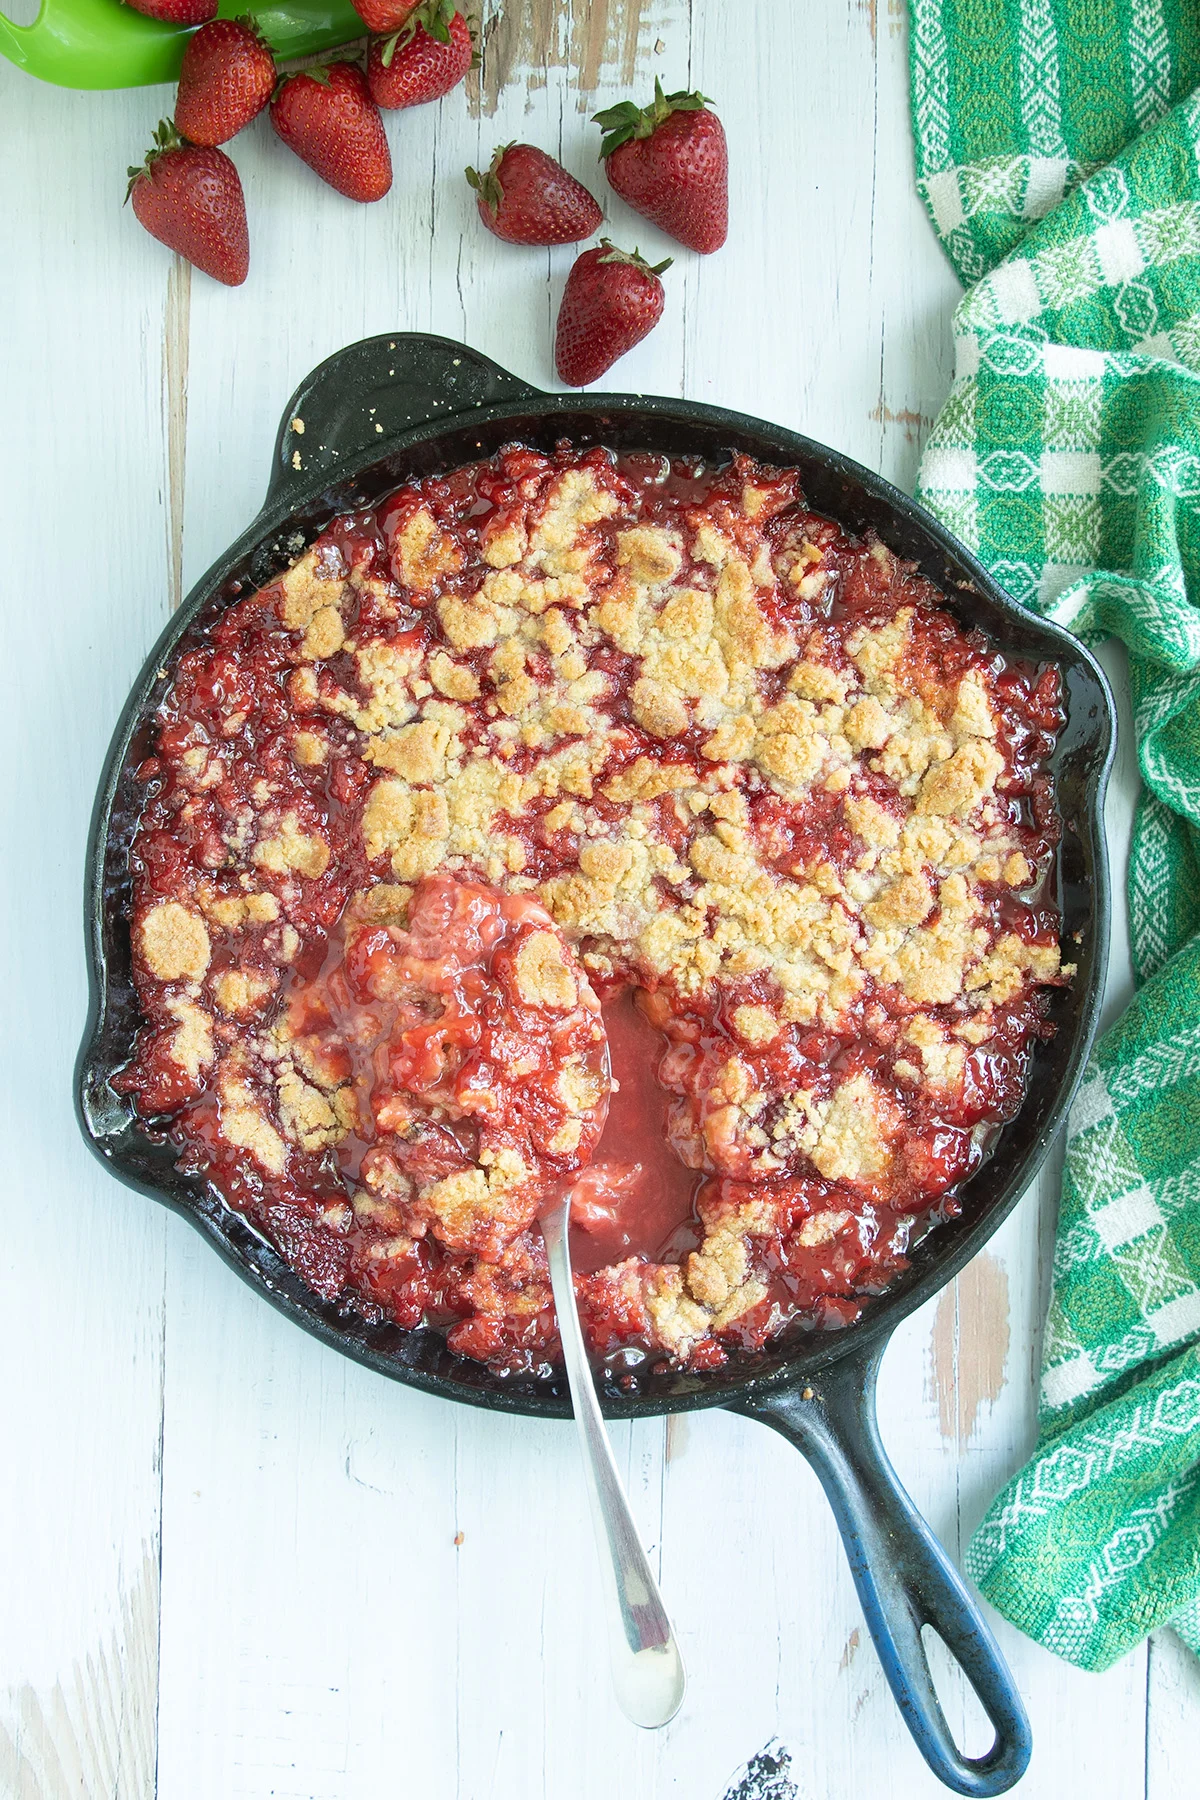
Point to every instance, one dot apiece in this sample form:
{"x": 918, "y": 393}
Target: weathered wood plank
{"x": 85, "y": 590}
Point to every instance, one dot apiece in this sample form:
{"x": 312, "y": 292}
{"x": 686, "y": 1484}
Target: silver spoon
{"x": 647, "y": 1668}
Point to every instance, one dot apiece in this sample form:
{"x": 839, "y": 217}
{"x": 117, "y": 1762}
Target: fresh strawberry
{"x": 429, "y": 55}
{"x": 670, "y": 162}
{"x": 382, "y": 16}
{"x": 226, "y": 78}
{"x": 189, "y": 197}
{"x": 327, "y": 116}
{"x": 177, "y": 12}
{"x": 611, "y": 300}
{"x": 525, "y": 197}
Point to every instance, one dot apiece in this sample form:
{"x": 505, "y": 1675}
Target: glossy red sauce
{"x": 638, "y": 1196}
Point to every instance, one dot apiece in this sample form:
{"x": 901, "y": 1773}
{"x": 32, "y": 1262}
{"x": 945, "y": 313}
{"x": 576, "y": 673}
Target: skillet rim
{"x": 274, "y": 526}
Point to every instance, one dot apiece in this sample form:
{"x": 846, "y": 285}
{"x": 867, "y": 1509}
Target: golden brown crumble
{"x": 243, "y": 1123}
{"x": 192, "y": 1042}
{"x": 543, "y": 978}
{"x": 309, "y": 587}
{"x": 289, "y": 847}
{"x": 425, "y": 553}
{"x": 174, "y": 942}
{"x": 239, "y": 992}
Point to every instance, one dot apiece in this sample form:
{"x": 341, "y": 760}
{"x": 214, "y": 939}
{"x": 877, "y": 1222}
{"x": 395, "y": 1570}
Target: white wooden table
{"x": 232, "y": 1564}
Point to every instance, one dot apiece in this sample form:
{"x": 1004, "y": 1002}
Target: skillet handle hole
{"x": 972, "y": 1730}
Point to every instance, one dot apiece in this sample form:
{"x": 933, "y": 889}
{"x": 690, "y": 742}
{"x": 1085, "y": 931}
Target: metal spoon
{"x": 647, "y": 1668}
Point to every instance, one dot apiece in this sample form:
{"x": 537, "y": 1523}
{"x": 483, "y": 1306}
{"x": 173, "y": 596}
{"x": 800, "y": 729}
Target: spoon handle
{"x": 647, "y": 1668}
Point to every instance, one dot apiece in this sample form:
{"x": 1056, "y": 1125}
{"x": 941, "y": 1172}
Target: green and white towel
{"x": 1058, "y": 150}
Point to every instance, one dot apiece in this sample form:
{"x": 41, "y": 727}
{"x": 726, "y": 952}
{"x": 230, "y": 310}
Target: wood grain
{"x": 176, "y": 325}
{"x": 98, "y": 1733}
{"x": 362, "y": 1588}
{"x": 85, "y": 592}
{"x": 969, "y": 1346}
{"x": 522, "y": 41}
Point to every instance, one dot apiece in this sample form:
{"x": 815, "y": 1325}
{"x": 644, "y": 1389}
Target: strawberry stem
{"x": 433, "y": 17}
{"x": 488, "y": 185}
{"x": 164, "y": 138}
{"x": 319, "y": 71}
{"x": 633, "y": 258}
{"x": 623, "y": 123}
{"x": 251, "y": 23}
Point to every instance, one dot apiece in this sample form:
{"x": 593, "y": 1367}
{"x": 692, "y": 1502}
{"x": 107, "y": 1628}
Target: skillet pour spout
{"x": 440, "y": 405}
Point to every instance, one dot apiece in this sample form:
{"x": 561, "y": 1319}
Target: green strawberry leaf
{"x": 163, "y": 138}
{"x": 633, "y": 258}
{"x": 625, "y": 122}
{"x": 487, "y": 185}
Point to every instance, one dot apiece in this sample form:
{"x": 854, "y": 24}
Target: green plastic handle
{"x": 106, "y": 44}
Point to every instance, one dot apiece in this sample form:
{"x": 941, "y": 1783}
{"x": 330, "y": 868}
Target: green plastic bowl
{"x": 106, "y": 44}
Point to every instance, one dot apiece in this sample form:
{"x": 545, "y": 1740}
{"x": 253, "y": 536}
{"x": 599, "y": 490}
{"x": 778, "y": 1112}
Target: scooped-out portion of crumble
{"x": 562, "y": 761}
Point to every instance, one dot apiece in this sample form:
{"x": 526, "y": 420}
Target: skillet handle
{"x": 904, "y": 1578}
{"x": 369, "y": 392}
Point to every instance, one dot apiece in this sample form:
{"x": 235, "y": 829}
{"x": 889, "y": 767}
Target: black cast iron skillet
{"x": 439, "y": 405}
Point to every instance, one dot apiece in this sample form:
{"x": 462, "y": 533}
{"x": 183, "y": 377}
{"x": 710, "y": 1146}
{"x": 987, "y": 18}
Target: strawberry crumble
{"x": 612, "y": 822}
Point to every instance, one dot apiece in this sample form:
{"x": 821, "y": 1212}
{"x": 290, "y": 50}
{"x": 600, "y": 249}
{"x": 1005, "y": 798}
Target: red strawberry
{"x": 670, "y": 162}
{"x": 327, "y": 116}
{"x": 610, "y": 302}
{"x": 226, "y": 78}
{"x": 189, "y": 197}
{"x": 428, "y": 56}
{"x": 177, "y": 12}
{"x": 526, "y": 197}
{"x": 382, "y": 16}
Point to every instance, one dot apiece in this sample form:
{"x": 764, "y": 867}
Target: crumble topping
{"x": 174, "y": 942}
{"x": 289, "y": 847}
{"x": 241, "y": 1121}
{"x": 191, "y": 1046}
{"x": 722, "y": 753}
{"x": 543, "y": 977}
{"x": 239, "y": 992}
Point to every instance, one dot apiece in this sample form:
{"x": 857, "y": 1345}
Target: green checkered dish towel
{"x": 1058, "y": 151}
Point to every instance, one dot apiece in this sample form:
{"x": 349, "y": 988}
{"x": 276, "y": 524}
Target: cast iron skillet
{"x": 439, "y": 405}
